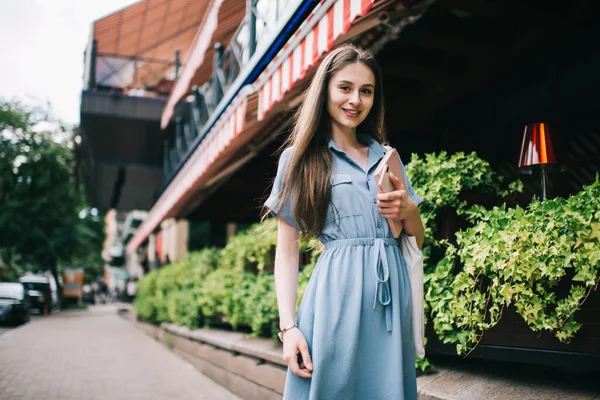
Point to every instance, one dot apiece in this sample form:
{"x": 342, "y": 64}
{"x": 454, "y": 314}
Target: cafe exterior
{"x": 496, "y": 78}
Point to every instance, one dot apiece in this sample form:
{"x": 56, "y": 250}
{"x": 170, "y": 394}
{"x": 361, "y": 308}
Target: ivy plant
{"x": 518, "y": 257}
{"x": 440, "y": 179}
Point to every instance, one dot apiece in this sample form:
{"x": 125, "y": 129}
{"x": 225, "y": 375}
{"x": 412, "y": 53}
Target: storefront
{"x": 458, "y": 76}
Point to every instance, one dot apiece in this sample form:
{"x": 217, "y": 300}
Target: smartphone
{"x": 385, "y": 184}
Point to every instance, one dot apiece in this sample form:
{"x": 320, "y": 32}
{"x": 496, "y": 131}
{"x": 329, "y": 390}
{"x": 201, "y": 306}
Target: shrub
{"x": 507, "y": 256}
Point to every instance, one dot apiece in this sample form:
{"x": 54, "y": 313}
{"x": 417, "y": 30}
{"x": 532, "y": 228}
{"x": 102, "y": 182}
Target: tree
{"x": 88, "y": 251}
{"x": 40, "y": 204}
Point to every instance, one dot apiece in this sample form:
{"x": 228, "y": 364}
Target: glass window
{"x": 11, "y": 291}
{"x": 269, "y": 14}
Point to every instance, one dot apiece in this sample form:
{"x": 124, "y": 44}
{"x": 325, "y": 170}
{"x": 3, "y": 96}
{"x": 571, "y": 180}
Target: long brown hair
{"x": 307, "y": 174}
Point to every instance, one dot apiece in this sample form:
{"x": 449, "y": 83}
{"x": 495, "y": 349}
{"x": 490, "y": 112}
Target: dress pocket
{"x": 337, "y": 179}
{"x": 344, "y": 198}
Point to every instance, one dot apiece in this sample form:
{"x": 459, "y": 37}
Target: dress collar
{"x": 376, "y": 150}
{"x": 374, "y": 146}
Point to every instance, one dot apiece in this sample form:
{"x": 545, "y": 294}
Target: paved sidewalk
{"x": 95, "y": 355}
{"x": 480, "y": 380}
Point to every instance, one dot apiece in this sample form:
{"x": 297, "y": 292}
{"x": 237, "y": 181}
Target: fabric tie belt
{"x": 383, "y": 291}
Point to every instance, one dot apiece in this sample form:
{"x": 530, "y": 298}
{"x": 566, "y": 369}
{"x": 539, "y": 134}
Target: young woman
{"x": 352, "y": 338}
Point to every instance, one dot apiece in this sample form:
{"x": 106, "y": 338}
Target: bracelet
{"x": 281, "y": 332}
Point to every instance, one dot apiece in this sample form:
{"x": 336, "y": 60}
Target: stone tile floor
{"x": 94, "y": 354}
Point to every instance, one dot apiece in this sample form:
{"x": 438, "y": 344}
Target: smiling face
{"x": 351, "y": 93}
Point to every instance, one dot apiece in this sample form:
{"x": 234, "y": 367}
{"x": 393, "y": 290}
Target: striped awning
{"x": 316, "y": 36}
{"x": 218, "y": 26}
{"x": 193, "y": 173}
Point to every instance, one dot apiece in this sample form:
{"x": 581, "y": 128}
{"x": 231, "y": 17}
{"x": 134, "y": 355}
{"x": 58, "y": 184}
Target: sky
{"x": 41, "y": 50}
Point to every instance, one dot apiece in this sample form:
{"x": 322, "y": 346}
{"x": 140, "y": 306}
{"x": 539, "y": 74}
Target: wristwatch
{"x": 281, "y": 332}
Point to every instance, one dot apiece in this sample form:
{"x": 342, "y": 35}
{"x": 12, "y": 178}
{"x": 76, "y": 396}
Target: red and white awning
{"x": 304, "y": 49}
{"x": 317, "y": 35}
{"x": 191, "y": 175}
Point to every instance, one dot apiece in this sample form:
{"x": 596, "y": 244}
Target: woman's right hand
{"x": 294, "y": 343}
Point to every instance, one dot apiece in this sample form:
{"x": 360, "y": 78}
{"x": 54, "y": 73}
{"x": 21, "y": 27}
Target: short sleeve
{"x": 272, "y": 203}
{"x": 411, "y": 192}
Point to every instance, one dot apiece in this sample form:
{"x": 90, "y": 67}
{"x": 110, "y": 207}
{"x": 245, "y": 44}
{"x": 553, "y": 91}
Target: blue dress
{"x": 356, "y": 311}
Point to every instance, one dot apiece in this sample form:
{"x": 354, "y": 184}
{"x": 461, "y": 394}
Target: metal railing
{"x": 129, "y": 75}
{"x": 252, "y": 35}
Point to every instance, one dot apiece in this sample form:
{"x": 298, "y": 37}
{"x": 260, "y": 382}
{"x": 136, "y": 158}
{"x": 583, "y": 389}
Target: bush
{"x": 506, "y": 256}
{"x": 230, "y": 286}
{"x": 221, "y": 287}
{"x": 144, "y": 303}
{"x": 518, "y": 257}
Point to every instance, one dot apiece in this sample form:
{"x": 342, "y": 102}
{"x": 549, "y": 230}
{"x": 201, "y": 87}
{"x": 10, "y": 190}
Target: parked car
{"x": 42, "y": 291}
{"x": 14, "y": 303}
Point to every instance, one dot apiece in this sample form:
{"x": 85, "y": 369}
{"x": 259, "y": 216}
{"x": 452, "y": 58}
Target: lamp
{"x": 537, "y": 152}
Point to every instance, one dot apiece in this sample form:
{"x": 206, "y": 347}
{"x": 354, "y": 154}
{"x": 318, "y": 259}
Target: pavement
{"x": 94, "y": 354}
{"x": 473, "y": 379}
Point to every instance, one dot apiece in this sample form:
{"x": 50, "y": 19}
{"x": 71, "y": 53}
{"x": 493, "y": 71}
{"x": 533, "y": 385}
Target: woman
{"x": 352, "y": 338}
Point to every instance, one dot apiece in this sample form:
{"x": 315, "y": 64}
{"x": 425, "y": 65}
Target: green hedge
{"x": 519, "y": 257}
{"x": 229, "y": 286}
{"x": 216, "y": 287}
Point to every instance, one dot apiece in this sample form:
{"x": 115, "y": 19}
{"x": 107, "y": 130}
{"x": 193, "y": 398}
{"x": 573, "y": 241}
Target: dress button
{"x": 375, "y": 201}
{"x": 379, "y": 224}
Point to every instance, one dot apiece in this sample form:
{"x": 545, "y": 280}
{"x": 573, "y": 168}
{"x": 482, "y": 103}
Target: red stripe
{"x": 330, "y": 38}
{"x": 366, "y": 6}
{"x": 347, "y": 22}
{"x": 267, "y": 93}
{"x": 281, "y": 87}
{"x": 315, "y": 53}
{"x": 259, "y": 114}
{"x": 282, "y": 78}
{"x": 291, "y": 68}
{"x": 234, "y": 127}
{"x": 302, "y": 50}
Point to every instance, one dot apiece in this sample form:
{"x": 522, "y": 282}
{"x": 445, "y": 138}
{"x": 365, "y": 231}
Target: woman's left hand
{"x": 396, "y": 204}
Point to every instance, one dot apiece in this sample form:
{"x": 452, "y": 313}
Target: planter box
{"x": 512, "y": 340}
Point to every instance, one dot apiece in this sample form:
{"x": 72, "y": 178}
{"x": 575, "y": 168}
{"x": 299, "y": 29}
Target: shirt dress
{"x": 356, "y": 311}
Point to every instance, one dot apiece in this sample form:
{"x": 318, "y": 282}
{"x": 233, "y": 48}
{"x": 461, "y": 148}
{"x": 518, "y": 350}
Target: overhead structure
{"x": 130, "y": 65}
{"x": 242, "y": 120}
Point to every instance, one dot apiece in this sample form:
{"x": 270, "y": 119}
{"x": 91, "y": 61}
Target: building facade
{"x": 183, "y": 114}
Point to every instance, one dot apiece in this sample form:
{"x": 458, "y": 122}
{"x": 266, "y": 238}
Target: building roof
{"x": 150, "y": 30}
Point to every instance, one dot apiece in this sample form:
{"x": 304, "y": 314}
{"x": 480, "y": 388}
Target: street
{"x": 94, "y": 354}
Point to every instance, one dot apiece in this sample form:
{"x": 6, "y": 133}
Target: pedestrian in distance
{"x": 352, "y": 337}
{"x": 131, "y": 289}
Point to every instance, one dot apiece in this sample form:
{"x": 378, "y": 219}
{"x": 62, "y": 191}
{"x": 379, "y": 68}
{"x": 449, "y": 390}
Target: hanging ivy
{"x": 440, "y": 179}
{"x": 516, "y": 256}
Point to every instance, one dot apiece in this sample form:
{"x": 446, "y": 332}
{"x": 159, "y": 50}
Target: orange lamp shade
{"x": 537, "y": 147}
{"x": 159, "y": 246}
